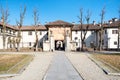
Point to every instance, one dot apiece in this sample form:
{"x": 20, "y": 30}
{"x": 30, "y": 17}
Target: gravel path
{"x": 88, "y": 69}
{"x": 37, "y": 68}
{"x": 61, "y": 69}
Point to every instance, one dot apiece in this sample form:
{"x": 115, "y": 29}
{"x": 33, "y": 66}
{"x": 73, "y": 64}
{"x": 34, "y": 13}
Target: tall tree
{"x": 4, "y": 17}
{"x": 81, "y": 26}
{"x": 118, "y": 29}
{"x": 83, "y": 30}
{"x": 20, "y": 24}
{"x": 102, "y": 15}
{"x": 36, "y": 24}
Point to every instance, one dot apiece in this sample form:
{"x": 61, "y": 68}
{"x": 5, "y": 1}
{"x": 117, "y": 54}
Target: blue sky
{"x": 67, "y": 10}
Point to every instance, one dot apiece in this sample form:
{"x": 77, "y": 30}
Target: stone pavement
{"x": 88, "y": 69}
{"x": 61, "y": 69}
{"x": 37, "y": 68}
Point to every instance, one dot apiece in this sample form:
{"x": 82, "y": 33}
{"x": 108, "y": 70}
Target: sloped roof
{"x": 59, "y": 23}
{"x": 85, "y": 27}
{"x": 27, "y": 28}
{"x": 9, "y": 26}
{"x": 112, "y": 25}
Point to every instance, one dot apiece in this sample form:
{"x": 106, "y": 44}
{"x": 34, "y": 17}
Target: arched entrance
{"x": 59, "y": 45}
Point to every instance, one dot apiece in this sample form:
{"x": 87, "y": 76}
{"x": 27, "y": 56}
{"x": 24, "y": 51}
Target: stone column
{"x": 51, "y": 42}
{"x": 67, "y": 42}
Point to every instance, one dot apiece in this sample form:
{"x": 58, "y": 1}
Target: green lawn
{"x": 111, "y": 59}
{"x": 13, "y": 63}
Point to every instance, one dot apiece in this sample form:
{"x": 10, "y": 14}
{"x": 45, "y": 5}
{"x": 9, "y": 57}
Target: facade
{"x": 111, "y": 34}
{"x": 61, "y": 35}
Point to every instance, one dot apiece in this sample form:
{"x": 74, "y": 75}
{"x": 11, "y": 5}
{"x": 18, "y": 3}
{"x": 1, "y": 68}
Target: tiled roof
{"x": 59, "y": 23}
{"x": 27, "y": 28}
{"x": 112, "y": 25}
{"x": 84, "y": 27}
{"x": 9, "y": 26}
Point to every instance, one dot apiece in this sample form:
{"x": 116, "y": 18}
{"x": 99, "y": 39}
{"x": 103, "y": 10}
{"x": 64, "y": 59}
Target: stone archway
{"x": 59, "y": 45}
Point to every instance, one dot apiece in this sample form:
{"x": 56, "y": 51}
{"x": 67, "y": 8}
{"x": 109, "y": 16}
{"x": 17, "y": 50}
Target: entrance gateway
{"x": 59, "y": 45}
{"x": 59, "y": 35}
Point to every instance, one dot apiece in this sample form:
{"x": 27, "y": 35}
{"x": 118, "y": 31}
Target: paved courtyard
{"x": 61, "y": 69}
{"x": 59, "y": 66}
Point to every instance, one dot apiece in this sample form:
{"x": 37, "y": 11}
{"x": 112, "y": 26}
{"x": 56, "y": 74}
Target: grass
{"x": 13, "y": 63}
{"x": 111, "y": 59}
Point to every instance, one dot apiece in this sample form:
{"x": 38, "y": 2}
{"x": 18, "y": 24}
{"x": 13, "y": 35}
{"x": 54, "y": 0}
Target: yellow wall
{"x": 59, "y": 32}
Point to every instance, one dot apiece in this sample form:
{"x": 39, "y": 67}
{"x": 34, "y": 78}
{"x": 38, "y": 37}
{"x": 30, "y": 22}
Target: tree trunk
{"x": 18, "y": 40}
{"x": 36, "y": 46}
{"x": 18, "y": 46}
{"x": 118, "y": 38}
{"x": 82, "y": 44}
{"x": 4, "y": 36}
{"x": 100, "y": 40}
{"x": 4, "y": 40}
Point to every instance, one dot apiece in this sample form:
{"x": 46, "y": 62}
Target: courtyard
{"x": 59, "y": 65}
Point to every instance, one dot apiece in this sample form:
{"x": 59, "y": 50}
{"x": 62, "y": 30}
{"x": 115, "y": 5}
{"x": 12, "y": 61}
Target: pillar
{"x": 51, "y": 43}
{"x": 67, "y": 43}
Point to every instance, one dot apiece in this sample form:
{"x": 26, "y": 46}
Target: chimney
{"x": 110, "y": 21}
{"x": 73, "y": 23}
{"x": 94, "y": 23}
{"x": 114, "y": 19}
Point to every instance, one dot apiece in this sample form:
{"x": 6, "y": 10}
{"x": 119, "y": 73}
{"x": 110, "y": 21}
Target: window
{"x": 40, "y": 32}
{"x": 115, "y": 42}
{"x": 92, "y": 32}
{"x": 67, "y": 31}
{"x": 10, "y": 32}
{"x": 29, "y": 43}
{"x": 114, "y": 31}
{"x": 1, "y": 30}
{"x": 105, "y": 31}
{"x": 76, "y": 44}
{"x": 76, "y": 32}
{"x": 30, "y": 33}
{"x": 102, "y": 42}
{"x": 14, "y": 32}
{"x": 76, "y": 38}
{"x": 6, "y": 30}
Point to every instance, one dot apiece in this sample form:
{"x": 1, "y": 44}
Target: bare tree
{"x": 81, "y": 26}
{"x": 4, "y": 17}
{"x": 118, "y": 28}
{"x": 36, "y": 24}
{"x": 83, "y": 30}
{"x": 20, "y": 24}
{"x": 101, "y": 40}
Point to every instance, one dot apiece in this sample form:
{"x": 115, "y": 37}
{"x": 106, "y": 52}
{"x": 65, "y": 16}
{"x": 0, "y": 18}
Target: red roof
{"x": 8, "y": 26}
{"x": 112, "y": 25}
{"x": 59, "y": 23}
{"x": 27, "y": 28}
{"x": 85, "y": 27}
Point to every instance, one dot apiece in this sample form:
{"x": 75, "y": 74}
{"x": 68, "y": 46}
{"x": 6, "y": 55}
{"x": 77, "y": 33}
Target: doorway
{"x": 59, "y": 45}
